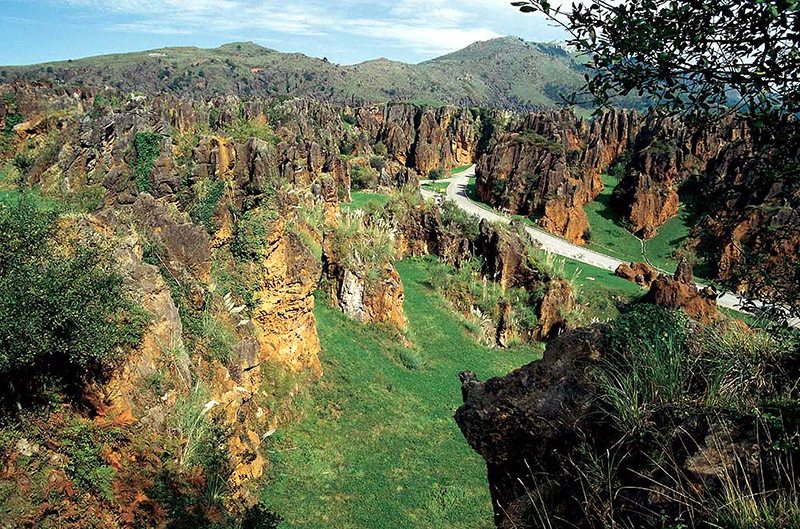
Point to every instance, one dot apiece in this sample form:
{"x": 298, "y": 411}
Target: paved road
{"x": 457, "y": 192}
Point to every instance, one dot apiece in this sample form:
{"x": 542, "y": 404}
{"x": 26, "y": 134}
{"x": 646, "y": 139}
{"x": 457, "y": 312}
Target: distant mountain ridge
{"x": 506, "y": 72}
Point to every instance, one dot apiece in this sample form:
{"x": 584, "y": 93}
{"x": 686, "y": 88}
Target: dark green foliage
{"x": 12, "y": 120}
{"x": 82, "y": 442}
{"x": 377, "y": 163}
{"x": 687, "y": 55}
{"x": 346, "y": 147}
{"x": 203, "y": 213}
{"x": 459, "y": 221}
{"x": 363, "y": 178}
{"x": 63, "y": 315}
{"x": 350, "y": 119}
{"x": 23, "y": 161}
{"x": 539, "y": 141}
{"x": 252, "y": 233}
{"x": 147, "y": 146}
{"x": 436, "y": 173}
{"x": 213, "y": 115}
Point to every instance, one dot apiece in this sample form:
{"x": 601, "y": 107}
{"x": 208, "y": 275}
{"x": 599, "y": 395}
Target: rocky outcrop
{"x": 548, "y": 165}
{"x": 640, "y": 273}
{"x": 680, "y": 292}
{"x": 544, "y": 429}
{"x": 422, "y": 138}
{"x": 120, "y": 400}
{"x": 526, "y": 422}
{"x": 284, "y": 296}
{"x": 367, "y": 299}
{"x": 365, "y": 293}
{"x": 557, "y": 301}
{"x": 420, "y": 232}
{"x": 667, "y": 152}
{"x": 505, "y": 255}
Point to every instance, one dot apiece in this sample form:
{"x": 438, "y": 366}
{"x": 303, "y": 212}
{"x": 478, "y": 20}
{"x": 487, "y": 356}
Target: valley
{"x": 247, "y": 289}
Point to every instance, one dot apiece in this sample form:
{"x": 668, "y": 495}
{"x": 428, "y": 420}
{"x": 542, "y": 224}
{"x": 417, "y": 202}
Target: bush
{"x": 363, "y": 178}
{"x": 437, "y": 173}
{"x": 203, "y": 213}
{"x": 377, "y": 163}
{"x": 64, "y": 318}
{"x": 147, "y": 146}
{"x": 459, "y": 220}
{"x": 350, "y": 119}
{"x": 251, "y": 234}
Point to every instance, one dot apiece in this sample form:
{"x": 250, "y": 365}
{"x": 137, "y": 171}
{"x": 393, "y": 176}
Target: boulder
{"x": 675, "y": 292}
{"x": 640, "y": 273}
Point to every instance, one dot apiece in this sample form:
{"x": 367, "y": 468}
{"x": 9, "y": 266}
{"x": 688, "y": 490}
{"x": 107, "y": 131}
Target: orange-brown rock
{"x": 640, "y": 273}
{"x": 366, "y": 297}
{"x": 557, "y": 301}
{"x": 383, "y": 299}
{"x": 676, "y": 293}
{"x": 549, "y": 164}
{"x": 284, "y": 315}
{"x": 669, "y": 151}
{"x": 161, "y": 350}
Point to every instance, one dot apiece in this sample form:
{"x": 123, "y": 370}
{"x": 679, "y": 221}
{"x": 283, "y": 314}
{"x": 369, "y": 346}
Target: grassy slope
{"x": 670, "y": 237}
{"x": 359, "y": 199}
{"x": 439, "y": 187}
{"x": 378, "y": 446}
{"x": 608, "y": 235}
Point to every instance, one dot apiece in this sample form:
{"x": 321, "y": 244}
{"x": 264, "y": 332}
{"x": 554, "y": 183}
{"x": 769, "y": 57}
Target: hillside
{"x": 505, "y": 72}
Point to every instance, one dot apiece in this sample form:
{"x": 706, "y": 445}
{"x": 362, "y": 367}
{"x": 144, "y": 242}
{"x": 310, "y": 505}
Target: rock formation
{"x": 681, "y": 292}
{"x": 544, "y": 429}
{"x": 640, "y": 273}
{"x": 549, "y": 164}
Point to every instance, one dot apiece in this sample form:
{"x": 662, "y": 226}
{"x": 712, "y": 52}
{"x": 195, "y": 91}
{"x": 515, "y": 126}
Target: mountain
{"x": 504, "y": 72}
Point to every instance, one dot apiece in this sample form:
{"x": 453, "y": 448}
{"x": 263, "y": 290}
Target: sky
{"x": 344, "y": 31}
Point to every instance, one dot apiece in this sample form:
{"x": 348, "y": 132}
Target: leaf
{"x": 528, "y": 9}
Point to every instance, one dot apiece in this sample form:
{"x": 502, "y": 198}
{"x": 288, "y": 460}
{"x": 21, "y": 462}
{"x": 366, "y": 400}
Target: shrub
{"x": 203, "y": 213}
{"x": 359, "y": 243}
{"x": 64, "y": 317}
{"x": 346, "y": 147}
{"x": 437, "y": 173}
{"x": 147, "y": 146}
{"x": 377, "y": 163}
{"x": 410, "y": 359}
{"x": 459, "y": 220}
{"x": 649, "y": 366}
{"x": 243, "y": 129}
{"x": 350, "y": 119}
{"x": 82, "y": 442}
{"x": 363, "y": 178}
{"x": 251, "y": 234}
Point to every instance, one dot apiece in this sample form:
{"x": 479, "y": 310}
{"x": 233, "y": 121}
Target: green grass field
{"x": 437, "y": 187}
{"x": 359, "y": 199}
{"x": 460, "y": 169}
{"x": 376, "y": 444}
{"x": 608, "y": 234}
{"x": 674, "y": 232}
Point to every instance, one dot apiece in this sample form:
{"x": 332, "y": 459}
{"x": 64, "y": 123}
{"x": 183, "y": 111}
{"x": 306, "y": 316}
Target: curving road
{"x": 457, "y": 192}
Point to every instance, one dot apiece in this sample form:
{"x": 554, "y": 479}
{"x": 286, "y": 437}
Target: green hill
{"x": 504, "y": 72}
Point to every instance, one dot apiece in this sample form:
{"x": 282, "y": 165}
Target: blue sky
{"x": 345, "y": 31}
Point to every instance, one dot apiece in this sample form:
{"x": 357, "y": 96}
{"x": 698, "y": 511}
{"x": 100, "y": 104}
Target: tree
{"x": 687, "y": 55}
{"x": 64, "y": 318}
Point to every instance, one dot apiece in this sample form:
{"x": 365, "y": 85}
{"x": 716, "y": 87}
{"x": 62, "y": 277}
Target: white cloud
{"x": 426, "y": 27}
